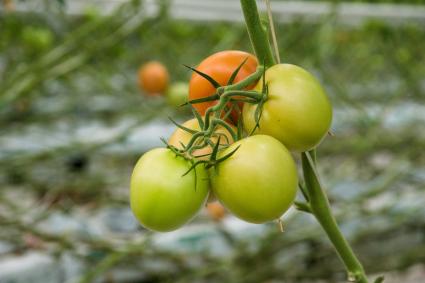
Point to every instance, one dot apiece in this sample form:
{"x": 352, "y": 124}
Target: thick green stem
{"x": 320, "y": 208}
{"x": 257, "y": 33}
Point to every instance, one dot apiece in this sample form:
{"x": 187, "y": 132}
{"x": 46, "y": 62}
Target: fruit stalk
{"x": 320, "y": 208}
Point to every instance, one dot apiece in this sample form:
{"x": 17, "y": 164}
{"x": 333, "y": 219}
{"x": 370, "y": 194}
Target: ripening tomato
{"x": 297, "y": 111}
{"x": 216, "y": 211}
{"x": 220, "y": 67}
{"x": 153, "y": 78}
{"x": 180, "y": 137}
{"x": 161, "y": 198}
{"x": 258, "y": 183}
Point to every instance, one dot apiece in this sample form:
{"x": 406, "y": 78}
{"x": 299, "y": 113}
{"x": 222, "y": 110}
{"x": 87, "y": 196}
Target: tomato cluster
{"x": 252, "y": 174}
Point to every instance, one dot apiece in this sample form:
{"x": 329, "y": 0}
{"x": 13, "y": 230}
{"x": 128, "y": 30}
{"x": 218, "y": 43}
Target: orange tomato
{"x": 220, "y": 67}
{"x": 216, "y": 211}
{"x": 153, "y": 78}
{"x": 180, "y": 137}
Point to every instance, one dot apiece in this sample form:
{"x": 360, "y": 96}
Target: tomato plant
{"x": 219, "y": 66}
{"x": 153, "y": 78}
{"x": 177, "y": 93}
{"x": 161, "y": 198}
{"x": 181, "y": 137}
{"x": 255, "y": 178}
{"x": 297, "y": 111}
{"x": 258, "y": 183}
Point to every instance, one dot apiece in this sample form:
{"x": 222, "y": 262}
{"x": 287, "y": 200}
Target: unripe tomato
{"x": 180, "y": 136}
{"x": 297, "y": 111}
{"x": 37, "y": 39}
{"x": 161, "y": 198}
{"x": 258, "y": 183}
{"x": 216, "y": 211}
{"x": 220, "y": 67}
{"x": 153, "y": 78}
{"x": 177, "y": 93}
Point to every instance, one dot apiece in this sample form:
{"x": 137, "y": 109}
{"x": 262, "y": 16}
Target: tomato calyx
{"x": 228, "y": 100}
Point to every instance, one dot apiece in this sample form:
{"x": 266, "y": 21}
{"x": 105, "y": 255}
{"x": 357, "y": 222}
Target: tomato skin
{"x": 258, "y": 183}
{"x": 177, "y": 93}
{"x": 220, "y": 67}
{"x": 297, "y": 112}
{"x": 153, "y": 78}
{"x": 180, "y": 136}
{"x": 160, "y": 197}
{"x": 216, "y": 211}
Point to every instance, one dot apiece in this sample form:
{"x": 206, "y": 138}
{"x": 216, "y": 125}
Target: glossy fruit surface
{"x": 220, "y": 67}
{"x": 160, "y": 197}
{"x": 177, "y": 93}
{"x": 258, "y": 183}
{"x": 297, "y": 111}
{"x": 181, "y": 136}
{"x": 153, "y": 78}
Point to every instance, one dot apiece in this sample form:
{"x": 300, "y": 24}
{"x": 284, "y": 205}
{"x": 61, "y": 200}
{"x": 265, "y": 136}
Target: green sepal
{"x": 214, "y": 83}
{"x": 198, "y": 117}
{"x": 215, "y": 150}
{"x": 235, "y": 73}
{"x": 203, "y": 99}
{"x": 227, "y": 155}
{"x": 182, "y": 127}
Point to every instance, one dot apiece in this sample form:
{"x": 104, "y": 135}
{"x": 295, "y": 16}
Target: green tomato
{"x": 177, "y": 93}
{"x": 258, "y": 183}
{"x": 38, "y": 39}
{"x": 161, "y": 198}
{"x": 297, "y": 112}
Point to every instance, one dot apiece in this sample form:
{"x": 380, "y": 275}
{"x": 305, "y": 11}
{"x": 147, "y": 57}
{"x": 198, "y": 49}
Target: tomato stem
{"x": 257, "y": 33}
{"x": 251, "y": 79}
{"x": 320, "y": 207}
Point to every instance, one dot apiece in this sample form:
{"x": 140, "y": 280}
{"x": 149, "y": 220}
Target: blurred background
{"x": 73, "y": 122}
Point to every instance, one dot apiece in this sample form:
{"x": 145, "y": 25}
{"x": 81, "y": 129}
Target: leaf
{"x": 380, "y": 279}
{"x": 214, "y": 83}
{"x": 235, "y": 73}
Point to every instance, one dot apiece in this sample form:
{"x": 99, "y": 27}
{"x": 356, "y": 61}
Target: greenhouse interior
{"x": 212, "y": 141}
